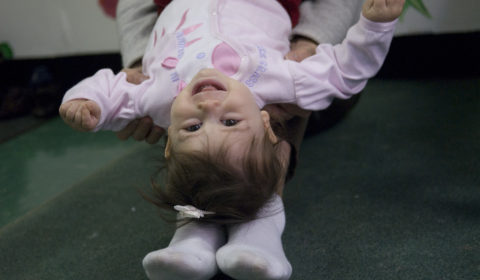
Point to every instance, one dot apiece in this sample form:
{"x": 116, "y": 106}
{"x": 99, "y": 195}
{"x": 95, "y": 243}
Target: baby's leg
{"x": 190, "y": 255}
{"x": 254, "y": 249}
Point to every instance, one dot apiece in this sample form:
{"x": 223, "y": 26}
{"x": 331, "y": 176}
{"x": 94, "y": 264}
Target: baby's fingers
{"x": 68, "y": 112}
{"x": 382, "y": 10}
{"x": 87, "y": 120}
{"x": 81, "y": 115}
{"x": 396, "y": 6}
{"x": 74, "y": 116}
{"x": 63, "y": 110}
{"x": 87, "y": 116}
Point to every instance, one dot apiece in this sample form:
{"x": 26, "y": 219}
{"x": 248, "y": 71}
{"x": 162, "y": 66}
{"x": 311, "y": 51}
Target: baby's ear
{"x": 268, "y": 127}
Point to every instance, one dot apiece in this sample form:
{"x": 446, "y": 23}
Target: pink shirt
{"x": 246, "y": 40}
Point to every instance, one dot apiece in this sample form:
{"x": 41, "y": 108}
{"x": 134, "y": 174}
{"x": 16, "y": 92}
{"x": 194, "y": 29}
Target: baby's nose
{"x": 208, "y": 104}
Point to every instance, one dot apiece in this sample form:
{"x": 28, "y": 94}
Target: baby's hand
{"x": 80, "y": 114}
{"x": 382, "y": 10}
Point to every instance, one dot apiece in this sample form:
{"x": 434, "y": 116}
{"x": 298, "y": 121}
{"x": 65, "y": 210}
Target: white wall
{"x": 44, "y": 28}
{"x": 447, "y": 16}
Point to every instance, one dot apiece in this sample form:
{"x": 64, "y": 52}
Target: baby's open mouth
{"x": 208, "y": 85}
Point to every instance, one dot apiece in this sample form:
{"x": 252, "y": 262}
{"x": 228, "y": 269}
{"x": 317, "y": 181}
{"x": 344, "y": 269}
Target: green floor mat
{"x": 48, "y": 160}
{"x": 392, "y": 192}
{"x": 100, "y": 229}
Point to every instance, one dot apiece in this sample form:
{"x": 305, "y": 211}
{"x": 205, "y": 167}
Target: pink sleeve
{"x": 342, "y": 70}
{"x": 118, "y": 99}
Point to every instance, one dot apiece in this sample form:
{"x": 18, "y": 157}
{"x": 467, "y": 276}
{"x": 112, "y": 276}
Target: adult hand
{"x": 301, "y": 48}
{"x": 142, "y": 129}
{"x": 135, "y": 74}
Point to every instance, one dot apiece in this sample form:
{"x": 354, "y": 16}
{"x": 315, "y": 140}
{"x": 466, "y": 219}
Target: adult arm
{"x": 327, "y": 21}
{"x": 135, "y": 22}
{"x": 322, "y": 21}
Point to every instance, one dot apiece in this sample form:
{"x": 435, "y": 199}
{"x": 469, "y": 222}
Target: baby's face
{"x": 217, "y": 110}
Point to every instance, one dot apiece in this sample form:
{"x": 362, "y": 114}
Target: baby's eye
{"x": 194, "y": 127}
{"x": 230, "y": 122}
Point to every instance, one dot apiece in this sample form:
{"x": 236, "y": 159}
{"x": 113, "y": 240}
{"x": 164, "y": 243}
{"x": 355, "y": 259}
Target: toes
{"x": 242, "y": 263}
{"x": 167, "y": 264}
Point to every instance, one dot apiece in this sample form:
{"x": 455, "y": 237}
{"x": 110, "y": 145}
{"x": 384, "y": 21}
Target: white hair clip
{"x": 189, "y": 211}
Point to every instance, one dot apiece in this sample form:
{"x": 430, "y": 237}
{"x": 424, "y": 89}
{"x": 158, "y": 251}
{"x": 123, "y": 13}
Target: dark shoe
{"x": 47, "y": 93}
{"x": 16, "y": 102}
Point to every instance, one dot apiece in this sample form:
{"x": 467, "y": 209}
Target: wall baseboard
{"x": 423, "y": 56}
{"x": 433, "y": 56}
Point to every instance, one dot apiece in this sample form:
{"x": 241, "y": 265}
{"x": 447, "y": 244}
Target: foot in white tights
{"x": 254, "y": 249}
{"x": 189, "y": 256}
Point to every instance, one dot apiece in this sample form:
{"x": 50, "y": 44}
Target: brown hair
{"x": 211, "y": 181}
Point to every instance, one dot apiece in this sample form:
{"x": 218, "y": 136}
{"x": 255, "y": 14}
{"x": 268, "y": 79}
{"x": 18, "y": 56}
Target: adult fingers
{"x": 155, "y": 135}
{"x": 301, "y": 49}
{"x": 125, "y": 133}
{"x": 143, "y": 129}
{"x": 135, "y": 75}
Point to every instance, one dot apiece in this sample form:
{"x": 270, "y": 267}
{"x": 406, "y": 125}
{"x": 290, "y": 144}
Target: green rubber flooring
{"x": 392, "y": 192}
{"x": 44, "y": 162}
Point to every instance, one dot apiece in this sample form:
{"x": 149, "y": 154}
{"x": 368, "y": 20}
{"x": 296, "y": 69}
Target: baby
{"x": 213, "y": 65}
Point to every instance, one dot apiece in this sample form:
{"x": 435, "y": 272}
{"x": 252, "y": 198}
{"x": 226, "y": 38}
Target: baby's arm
{"x": 343, "y": 70}
{"x": 104, "y": 101}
